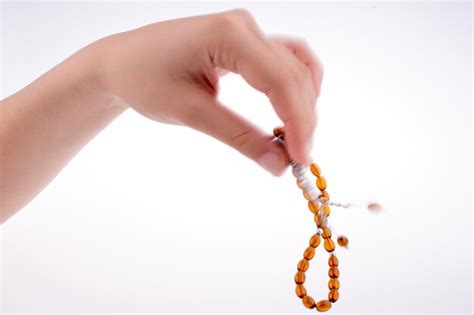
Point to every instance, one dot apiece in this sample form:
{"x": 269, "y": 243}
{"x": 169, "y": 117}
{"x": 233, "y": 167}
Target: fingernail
{"x": 272, "y": 162}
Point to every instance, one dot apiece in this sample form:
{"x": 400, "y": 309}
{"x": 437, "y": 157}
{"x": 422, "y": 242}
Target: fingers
{"x": 226, "y": 126}
{"x": 272, "y": 68}
{"x": 304, "y": 53}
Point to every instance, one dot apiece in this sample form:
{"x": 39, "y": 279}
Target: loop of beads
{"x": 318, "y": 200}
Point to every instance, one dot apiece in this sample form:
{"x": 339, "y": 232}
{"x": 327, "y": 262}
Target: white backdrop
{"x": 117, "y": 231}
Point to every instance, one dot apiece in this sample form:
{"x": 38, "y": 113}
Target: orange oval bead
{"x": 313, "y": 206}
{"x": 303, "y": 265}
{"x": 300, "y": 291}
{"x": 308, "y": 301}
{"x": 333, "y": 272}
{"x": 321, "y": 183}
{"x": 333, "y": 295}
{"x": 279, "y": 132}
{"x": 300, "y": 277}
{"x": 320, "y": 222}
{"x": 315, "y": 169}
{"x": 329, "y": 245}
{"x": 323, "y": 305}
{"x": 334, "y": 284}
{"x": 324, "y": 196}
{"x": 309, "y": 253}
{"x": 315, "y": 240}
{"x": 326, "y": 232}
{"x": 326, "y": 210}
{"x": 333, "y": 261}
{"x": 343, "y": 241}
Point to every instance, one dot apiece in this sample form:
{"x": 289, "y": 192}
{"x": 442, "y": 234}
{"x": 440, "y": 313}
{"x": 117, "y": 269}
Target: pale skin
{"x": 168, "y": 72}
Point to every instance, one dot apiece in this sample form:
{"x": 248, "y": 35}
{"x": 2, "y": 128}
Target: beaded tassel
{"x": 318, "y": 203}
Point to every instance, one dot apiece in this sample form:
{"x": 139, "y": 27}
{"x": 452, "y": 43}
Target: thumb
{"x": 223, "y": 124}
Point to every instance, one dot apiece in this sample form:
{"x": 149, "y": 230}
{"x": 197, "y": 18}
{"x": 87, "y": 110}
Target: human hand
{"x": 169, "y": 72}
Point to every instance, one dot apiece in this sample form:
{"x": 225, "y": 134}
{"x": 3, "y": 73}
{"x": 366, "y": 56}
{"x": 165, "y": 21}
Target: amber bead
{"x": 321, "y": 183}
{"x": 313, "y": 206}
{"x": 303, "y": 265}
{"x": 329, "y": 245}
{"x": 315, "y": 240}
{"x": 324, "y": 196}
{"x": 300, "y": 291}
{"x": 308, "y": 301}
{"x": 374, "y": 207}
{"x": 300, "y": 277}
{"x": 323, "y": 305}
{"x": 326, "y": 210}
{"x": 333, "y": 295}
{"x": 326, "y": 232}
{"x": 315, "y": 169}
{"x": 320, "y": 222}
{"x": 334, "y": 284}
{"x": 300, "y": 183}
{"x": 279, "y": 132}
{"x": 342, "y": 241}
{"x": 333, "y": 261}
{"x": 333, "y": 272}
{"x": 309, "y": 253}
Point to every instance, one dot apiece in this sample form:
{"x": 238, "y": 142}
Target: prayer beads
{"x": 318, "y": 204}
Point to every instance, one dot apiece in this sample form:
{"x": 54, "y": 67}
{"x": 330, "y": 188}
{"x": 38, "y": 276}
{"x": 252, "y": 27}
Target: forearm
{"x": 43, "y": 126}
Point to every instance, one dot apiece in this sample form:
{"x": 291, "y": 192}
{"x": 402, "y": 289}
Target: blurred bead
{"x": 309, "y": 253}
{"x": 333, "y": 272}
{"x": 323, "y": 305}
{"x": 333, "y": 295}
{"x": 300, "y": 277}
{"x": 303, "y": 265}
{"x": 310, "y": 194}
{"x": 321, "y": 183}
{"x": 308, "y": 301}
{"x": 313, "y": 206}
{"x": 320, "y": 222}
{"x": 315, "y": 240}
{"x": 334, "y": 284}
{"x": 279, "y": 132}
{"x": 374, "y": 207}
{"x": 333, "y": 261}
{"x": 301, "y": 183}
{"x": 315, "y": 169}
{"x": 298, "y": 171}
{"x": 326, "y": 210}
{"x": 300, "y": 291}
{"x": 326, "y": 232}
{"x": 329, "y": 245}
{"x": 324, "y": 196}
{"x": 342, "y": 241}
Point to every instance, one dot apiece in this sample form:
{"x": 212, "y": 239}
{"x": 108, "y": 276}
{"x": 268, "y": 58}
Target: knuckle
{"x": 242, "y": 14}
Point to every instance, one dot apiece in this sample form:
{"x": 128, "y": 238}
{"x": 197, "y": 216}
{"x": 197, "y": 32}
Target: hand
{"x": 169, "y": 72}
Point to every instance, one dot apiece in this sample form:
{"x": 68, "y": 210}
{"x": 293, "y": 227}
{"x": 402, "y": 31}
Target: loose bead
{"x": 329, "y": 245}
{"x": 324, "y": 196}
{"x": 313, "y": 206}
{"x": 323, "y": 305}
{"x": 315, "y": 169}
{"x": 333, "y": 295}
{"x": 300, "y": 291}
{"x": 315, "y": 240}
{"x": 321, "y": 183}
{"x": 326, "y": 232}
{"x": 308, "y": 301}
{"x": 374, "y": 207}
{"x": 333, "y": 272}
{"x": 300, "y": 277}
{"x": 342, "y": 241}
{"x": 334, "y": 284}
{"x": 326, "y": 210}
{"x": 333, "y": 261}
{"x": 309, "y": 253}
{"x": 303, "y": 265}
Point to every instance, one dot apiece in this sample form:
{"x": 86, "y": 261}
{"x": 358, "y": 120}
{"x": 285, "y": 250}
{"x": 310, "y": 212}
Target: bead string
{"x": 318, "y": 204}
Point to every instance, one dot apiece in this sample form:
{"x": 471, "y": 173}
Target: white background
{"x": 157, "y": 218}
